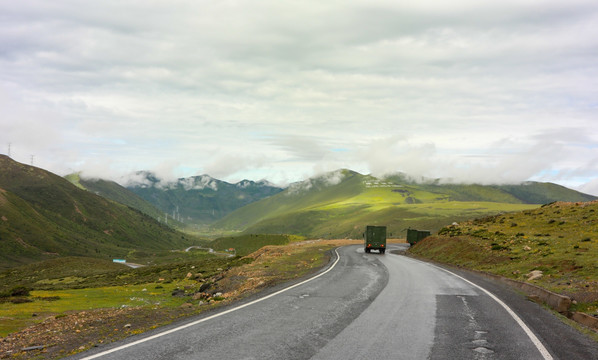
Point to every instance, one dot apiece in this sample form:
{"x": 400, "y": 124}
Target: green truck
{"x": 414, "y": 236}
{"x": 375, "y": 239}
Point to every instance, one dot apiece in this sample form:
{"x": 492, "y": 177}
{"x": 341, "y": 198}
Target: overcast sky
{"x": 477, "y": 91}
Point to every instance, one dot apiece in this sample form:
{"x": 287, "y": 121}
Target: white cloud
{"x": 476, "y": 91}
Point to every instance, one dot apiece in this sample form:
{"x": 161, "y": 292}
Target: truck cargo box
{"x": 375, "y": 238}
{"x": 414, "y": 236}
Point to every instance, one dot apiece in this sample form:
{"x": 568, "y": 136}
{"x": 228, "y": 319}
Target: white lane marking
{"x": 212, "y": 316}
{"x": 543, "y": 351}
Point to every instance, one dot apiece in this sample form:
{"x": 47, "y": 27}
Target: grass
{"x": 72, "y": 284}
{"x": 347, "y": 219}
{"x": 559, "y": 239}
{"x": 54, "y": 302}
{"x": 245, "y": 244}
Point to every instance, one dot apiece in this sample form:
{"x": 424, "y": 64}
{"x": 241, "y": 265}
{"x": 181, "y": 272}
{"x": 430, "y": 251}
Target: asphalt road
{"x": 368, "y": 306}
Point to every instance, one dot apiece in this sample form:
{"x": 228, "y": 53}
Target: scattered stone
{"x": 201, "y": 296}
{"x": 218, "y": 294}
{"x": 127, "y": 326}
{"x": 188, "y": 275}
{"x": 534, "y": 298}
{"x": 219, "y": 269}
{"x": 527, "y": 248}
{"x": 534, "y": 275}
{"x": 178, "y": 292}
{"x": 31, "y": 348}
{"x": 204, "y": 286}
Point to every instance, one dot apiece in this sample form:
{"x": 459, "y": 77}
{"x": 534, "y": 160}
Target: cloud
{"x": 543, "y": 157}
{"x": 590, "y": 187}
{"x": 484, "y": 91}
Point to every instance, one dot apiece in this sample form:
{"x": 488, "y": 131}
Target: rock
{"x": 178, "y": 292}
{"x": 30, "y": 348}
{"x": 219, "y": 269}
{"x": 204, "y": 286}
{"x": 527, "y": 248}
{"x": 186, "y": 305}
{"x": 200, "y": 296}
{"x": 127, "y": 326}
{"x": 534, "y": 275}
{"x": 218, "y": 294}
{"x": 534, "y": 298}
{"x": 188, "y": 275}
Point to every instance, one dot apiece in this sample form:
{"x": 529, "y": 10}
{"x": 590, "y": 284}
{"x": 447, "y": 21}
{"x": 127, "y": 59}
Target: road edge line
{"x": 537, "y": 343}
{"x": 155, "y": 336}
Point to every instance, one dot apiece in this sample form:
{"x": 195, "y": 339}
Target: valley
{"x": 59, "y": 236}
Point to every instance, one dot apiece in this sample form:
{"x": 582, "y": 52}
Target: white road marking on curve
{"x": 537, "y": 343}
{"x": 212, "y": 316}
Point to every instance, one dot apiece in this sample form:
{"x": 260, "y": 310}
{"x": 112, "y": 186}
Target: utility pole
{"x": 9, "y": 144}
{"x": 32, "y": 156}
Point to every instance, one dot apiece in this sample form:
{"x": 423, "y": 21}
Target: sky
{"x": 467, "y": 90}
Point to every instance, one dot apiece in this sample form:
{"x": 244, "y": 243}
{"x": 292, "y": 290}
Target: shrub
{"x": 19, "y": 291}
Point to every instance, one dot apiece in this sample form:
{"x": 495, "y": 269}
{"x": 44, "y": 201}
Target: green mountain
{"x": 198, "y": 199}
{"x": 343, "y": 202}
{"x": 115, "y": 192}
{"x": 44, "y": 216}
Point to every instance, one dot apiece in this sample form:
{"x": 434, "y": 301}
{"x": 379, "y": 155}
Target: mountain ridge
{"x": 198, "y": 199}
{"x": 342, "y": 202}
{"x": 44, "y": 216}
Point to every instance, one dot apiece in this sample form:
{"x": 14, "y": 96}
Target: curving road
{"x": 369, "y": 306}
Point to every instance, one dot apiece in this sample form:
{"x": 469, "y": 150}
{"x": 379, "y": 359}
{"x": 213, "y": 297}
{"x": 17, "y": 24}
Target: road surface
{"x": 368, "y": 306}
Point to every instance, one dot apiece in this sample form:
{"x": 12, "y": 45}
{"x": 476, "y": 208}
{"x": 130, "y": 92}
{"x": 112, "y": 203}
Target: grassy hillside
{"x": 342, "y": 203}
{"x": 115, "y": 192}
{"x": 559, "y": 239}
{"x": 44, "y": 216}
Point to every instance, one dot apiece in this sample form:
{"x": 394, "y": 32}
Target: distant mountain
{"x": 529, "y": 192}
{"x": 343, "y": 202}
{"x": 42, "y": 215}
{"x": 115, "y": 192}
{"x": 198, "y": 199}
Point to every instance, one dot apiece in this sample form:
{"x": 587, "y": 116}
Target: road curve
{"x": 368, "y": 306}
